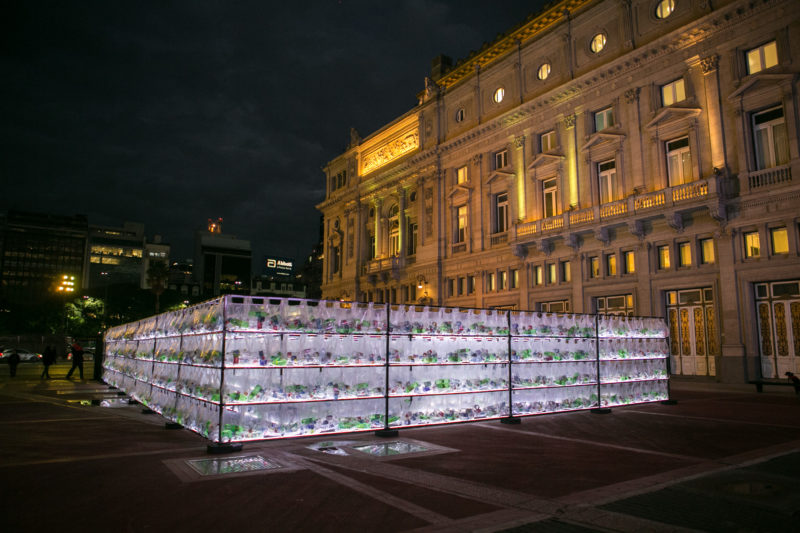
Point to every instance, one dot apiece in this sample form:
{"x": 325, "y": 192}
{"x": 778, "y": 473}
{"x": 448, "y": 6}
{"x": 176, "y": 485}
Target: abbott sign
{"x": 275, "y": 266}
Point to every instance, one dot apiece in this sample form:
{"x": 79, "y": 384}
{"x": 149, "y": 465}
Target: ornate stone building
{"x": 633, "y": 156}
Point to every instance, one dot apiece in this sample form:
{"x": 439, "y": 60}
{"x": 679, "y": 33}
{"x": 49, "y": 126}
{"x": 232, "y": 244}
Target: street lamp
{"x": 67, "y": 284}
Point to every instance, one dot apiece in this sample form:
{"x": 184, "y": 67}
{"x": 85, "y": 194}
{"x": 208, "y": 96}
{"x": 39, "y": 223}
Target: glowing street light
{"x": 67, "y": 284}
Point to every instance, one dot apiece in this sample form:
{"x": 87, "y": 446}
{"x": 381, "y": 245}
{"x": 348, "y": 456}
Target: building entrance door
{"x": 693, "y": 331}
{"x": 778, "y": 311}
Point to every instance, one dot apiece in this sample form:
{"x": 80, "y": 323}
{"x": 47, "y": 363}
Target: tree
{"x": 157, "y": 276}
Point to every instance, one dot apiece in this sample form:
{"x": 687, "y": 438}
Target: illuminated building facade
{"x": 122, "y": 255}
{"x": 635, "y": 157}
{"x": 37, "y": 251}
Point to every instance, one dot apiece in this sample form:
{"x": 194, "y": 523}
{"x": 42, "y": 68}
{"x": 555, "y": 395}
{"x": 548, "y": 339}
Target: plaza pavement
{"x": 725, "y": 458}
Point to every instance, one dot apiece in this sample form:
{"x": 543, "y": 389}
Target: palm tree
{"x": 157, "y": 275}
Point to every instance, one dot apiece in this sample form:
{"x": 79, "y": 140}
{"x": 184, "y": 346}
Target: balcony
{"x": 769, "y": 177}
{"x": 696, "y": 192}
{"x": 384, "y": 264}
{"x": 499, "y": 238}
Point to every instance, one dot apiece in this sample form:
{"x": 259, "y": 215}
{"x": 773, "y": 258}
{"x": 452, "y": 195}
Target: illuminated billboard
{"x": 278, "y": 266}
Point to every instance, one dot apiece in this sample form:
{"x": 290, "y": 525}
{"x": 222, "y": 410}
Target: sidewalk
{"x": 723, "y": 459}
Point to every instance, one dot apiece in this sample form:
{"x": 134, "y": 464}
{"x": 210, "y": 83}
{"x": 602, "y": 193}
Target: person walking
{"x": 794, "y": 380}
{"x": 48, "y": 358}
{"x": 77, "y": 360}
{"x": 13, "y": 361}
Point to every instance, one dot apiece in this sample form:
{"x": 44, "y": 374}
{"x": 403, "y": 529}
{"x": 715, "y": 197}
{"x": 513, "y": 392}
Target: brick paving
{"x": 725, "y": 458}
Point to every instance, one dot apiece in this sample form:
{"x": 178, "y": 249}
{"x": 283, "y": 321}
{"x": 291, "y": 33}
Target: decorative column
{"x": 571, "y": 179}
{"x": 632, "y": 98}
{"x": 716, "y": 130}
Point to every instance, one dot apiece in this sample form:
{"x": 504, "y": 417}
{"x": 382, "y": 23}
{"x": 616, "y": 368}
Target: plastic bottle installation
{"x": 241, "y": 368}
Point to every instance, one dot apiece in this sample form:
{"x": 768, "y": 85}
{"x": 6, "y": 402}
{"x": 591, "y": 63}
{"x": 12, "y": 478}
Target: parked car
{"x": 24, "y": 355}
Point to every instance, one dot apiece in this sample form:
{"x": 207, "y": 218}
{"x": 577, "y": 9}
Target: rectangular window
{"x": 684, "y": 254}
{"x": 779, "y": 241}
{"x": 752, "y": 245}
{"x": 663, "y": 257}
{"x": 470, "y": 284}
{"x": 515, "y": 279}
{"x": 594, "y": 267}
{"x": 538, "y": 275}
{"x": 411, "y": 248}
{"x": 461, "y": 225}
{"x": 451, "y": 286}
{"x": 548, "y": 142}
{"x": 611, "y": 264}
{"x": 679, "y": 162}
{"x": 501, "y": 159}
{"x": 490, "y": 282}
{"x": 769, "y": 138}
{"x": 551, "y": 274}
{"x": 501, "y": 212}
{"x": 604, "y": 119}
{"x": 630, "y": 262}
{"x": 610, "y": 189}
{"x": 672, "y": 93}
{"x": 566, "y": 271}
{"x": 762, "y": 58}
{"x": 460, "y": 286}
{"x": 550, "y": 197}
{"x": 461, "y": 174}
{"x": 502, "y": 282}
{"x": 707, "y": 256}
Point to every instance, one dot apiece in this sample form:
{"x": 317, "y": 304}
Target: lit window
{"x": 514, "y": 278}
{"x": 501, "y": 159}
{"x": 663, "y": 257}
{"x": 544, "y": 71}
{"x": 551, "y": 273}
{"x": 499, "y": 94}
{"x": 461, "y": 224}
{"x": 413, "y": 230}
{"x": 604, "y": 119}
{"x": 394, "y": 230}
{"x": 548, "y": 141}
{"x": 460, "y": 115}
{"x": 779, "y": 240}
{"x": 752, "y": 244}
{"x": 490, "y": 285}
{"x": 598, "y": 43}
{"x": 550, "y": 197}
{"x": 503, "y": 280}
{"x": 594, "y": 267}
{"x": 769, "y": 137}
{"x": 611, "y": 264}
{"x": 679, "y": 162}
{"x": 500, "y": 212}
{"x": 763, "y": 57}
{"x": 707, "y": 256}
{"x": 610, "y": 187}
{"x": 461, "y": 174}
{"x": 566, "y": 271}
{"x": 630, "y": 262}
{"x": 538, "y": 275}
{"x": 665, "y": 8}
{"x": 684, "y": 254}
{"x": 672, "y": 93}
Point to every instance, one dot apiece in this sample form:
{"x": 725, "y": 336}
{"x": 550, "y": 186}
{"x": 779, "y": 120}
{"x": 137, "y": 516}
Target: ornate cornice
{"x": 529, "y": 30}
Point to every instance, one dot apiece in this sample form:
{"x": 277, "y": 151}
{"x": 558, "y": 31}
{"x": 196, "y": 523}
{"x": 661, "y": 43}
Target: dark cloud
{"x": 169, "y": 113}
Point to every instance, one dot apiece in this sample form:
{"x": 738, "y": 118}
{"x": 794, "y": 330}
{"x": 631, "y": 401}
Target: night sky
{"x": 170, "y": 113}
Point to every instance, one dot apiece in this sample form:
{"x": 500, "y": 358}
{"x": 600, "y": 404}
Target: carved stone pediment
{"x": 761, "y": 81}
{"x": 602, "y": 137}
{"x": 499, "y": 174}
{"x": 671, "y": 114}
{"x": 545, "y": 159}
{"x": 459, "y": 189}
